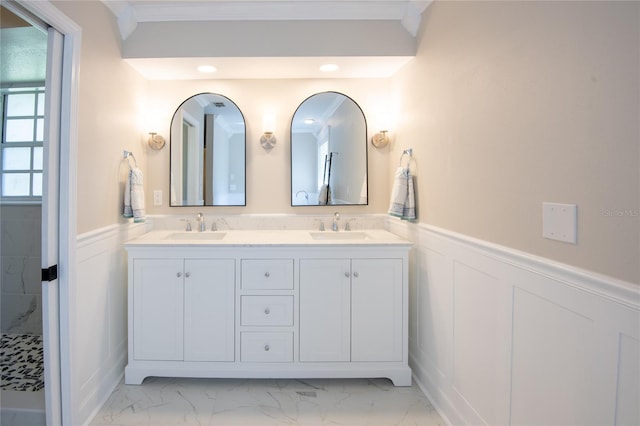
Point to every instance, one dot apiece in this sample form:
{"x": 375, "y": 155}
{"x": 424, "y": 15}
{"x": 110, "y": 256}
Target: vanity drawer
{"x": 267, "y": 274}
{"x": 266, "y": 310}
{"x": 266, "y": 347}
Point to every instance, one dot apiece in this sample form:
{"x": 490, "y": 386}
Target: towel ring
{"x": 409, "y": 152}
{"x": 127, "y": 155}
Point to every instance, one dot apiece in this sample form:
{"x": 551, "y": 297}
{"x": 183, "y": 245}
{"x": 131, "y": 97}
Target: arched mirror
{"x": 328, "y": 152}
{"x": 208, "y": 153}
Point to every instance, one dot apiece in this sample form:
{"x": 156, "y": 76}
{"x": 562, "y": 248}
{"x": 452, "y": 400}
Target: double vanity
{"x": 268, "y": 304}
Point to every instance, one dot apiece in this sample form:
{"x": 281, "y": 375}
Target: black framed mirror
{"x": 208, "y": 153}
{"x": 329, "y": 152}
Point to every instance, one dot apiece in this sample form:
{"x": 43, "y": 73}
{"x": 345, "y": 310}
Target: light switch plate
{"x": 560, "y": 222}
{"x": 157, "y": 197}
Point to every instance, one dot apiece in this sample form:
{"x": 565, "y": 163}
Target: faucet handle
{"x": 214, "y": 227}
{"x": 188, "y": 226}
{"x": 347, "y": 225}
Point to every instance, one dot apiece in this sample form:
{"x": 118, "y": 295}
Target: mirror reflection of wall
{"x": 208, "y": 153}
{"x": 328, "y": 152}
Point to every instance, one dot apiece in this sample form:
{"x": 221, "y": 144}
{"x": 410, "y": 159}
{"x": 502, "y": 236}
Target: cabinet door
{"x": 209, "y": 301}
{"x": 376, "y": 310}
{"x": 324, "y": 309}
{"x": 157, "y": 309}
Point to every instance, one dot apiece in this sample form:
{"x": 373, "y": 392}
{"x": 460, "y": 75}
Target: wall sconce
{"x": 380, "y": 139}
{"x": 156, "y": 141}
{"x": 268, "y": 139}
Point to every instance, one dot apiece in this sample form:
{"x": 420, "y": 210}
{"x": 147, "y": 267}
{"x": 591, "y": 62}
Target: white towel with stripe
{"x": 403, "y": 203}
{"x": 134, "y": 196}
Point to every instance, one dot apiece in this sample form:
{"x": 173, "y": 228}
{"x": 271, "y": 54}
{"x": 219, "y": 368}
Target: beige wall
{"x": 506, "y": 105}
{"x": 268, "y": 172}
{"x": 111, "y": 99}
{"x": 509, "y": 104}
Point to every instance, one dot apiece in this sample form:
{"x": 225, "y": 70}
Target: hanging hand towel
{"x": 403, "y": 204}
{"x": 134, "y": 196}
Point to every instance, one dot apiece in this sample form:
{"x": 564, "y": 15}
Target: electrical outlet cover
{"x": 157, "y": 198}
{"x": 559, "y": 222}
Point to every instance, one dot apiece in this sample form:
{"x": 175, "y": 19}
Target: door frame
{"x": 62, "y": 397}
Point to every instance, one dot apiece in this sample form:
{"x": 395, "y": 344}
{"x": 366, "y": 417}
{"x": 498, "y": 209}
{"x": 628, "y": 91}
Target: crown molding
{"x": 131, "y": 12}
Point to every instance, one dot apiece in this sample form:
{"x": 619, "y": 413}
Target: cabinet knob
{"x": 346, "y": 274}
{"x": 355, "y": 274}
{"x": 267, "y": 311}
{"x": 266, "y": 348}
{"x": 267, "y": 274}
{"x": 179, "y": 274}
{"x": 188, "y": 274}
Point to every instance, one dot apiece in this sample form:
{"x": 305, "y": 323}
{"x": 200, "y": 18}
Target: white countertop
{"x": 277, "y": 237}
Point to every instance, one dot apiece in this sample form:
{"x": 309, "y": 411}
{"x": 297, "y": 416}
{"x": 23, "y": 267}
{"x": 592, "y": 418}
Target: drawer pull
{"x": 266, "y": 348}
{"x": 179, "y": 274}
{"x": 267, "y": 311}
{"x": 267, "y": 274}
{"x": 346, "y": 274}
{"x": 188, "y": 274}
{"x": 355, "y": 274}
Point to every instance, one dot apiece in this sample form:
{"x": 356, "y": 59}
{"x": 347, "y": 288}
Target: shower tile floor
{"x": 354, "y": 402}
{"x": 21, "y": 362}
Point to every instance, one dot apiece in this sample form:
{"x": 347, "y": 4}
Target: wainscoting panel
{"x": 100, "y": 328}
{"x": 432, "y": 323}
{"x": 503, "y": 337}
{"x": 628, "y": 390}
{"x": 482, "y": 337}
{"x": 551, "y": 353}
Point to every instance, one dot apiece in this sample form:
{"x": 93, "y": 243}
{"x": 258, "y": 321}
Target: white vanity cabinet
{"x": 351, "y": 310}
{"x": 234, "y": 308}
{"x": 183, "y": 309}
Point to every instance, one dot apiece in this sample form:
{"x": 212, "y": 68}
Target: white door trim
{"x": 50, "y": 221}
{"x": 72, "y": 33}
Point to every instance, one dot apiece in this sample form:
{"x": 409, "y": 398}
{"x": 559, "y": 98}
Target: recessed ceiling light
{"x": 329, "y": 67}
{"x": 309, "y": 121}
{"x": 206, "y": 68}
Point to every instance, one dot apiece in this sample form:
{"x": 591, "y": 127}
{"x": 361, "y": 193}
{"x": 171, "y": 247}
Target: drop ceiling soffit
{"x": 131, "y": 12}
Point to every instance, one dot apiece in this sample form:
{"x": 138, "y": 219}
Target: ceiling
{"x": 137, "y": 18}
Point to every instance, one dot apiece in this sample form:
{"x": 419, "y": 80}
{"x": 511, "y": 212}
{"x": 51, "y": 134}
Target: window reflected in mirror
{"x": 329, "y": 152}
{"x": 208, "y": 159}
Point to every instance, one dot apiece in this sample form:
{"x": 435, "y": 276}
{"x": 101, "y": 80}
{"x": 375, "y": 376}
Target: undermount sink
{"x": 347, "y": 235}
{"x": 200, "y": 236}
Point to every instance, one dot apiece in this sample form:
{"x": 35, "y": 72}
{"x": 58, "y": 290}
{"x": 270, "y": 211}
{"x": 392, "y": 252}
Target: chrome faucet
{"x": 200, "y": 220}
{"x": 336, "y": 218}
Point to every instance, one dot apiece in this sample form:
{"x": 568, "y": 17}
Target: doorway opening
{"x": 22, "y": 104}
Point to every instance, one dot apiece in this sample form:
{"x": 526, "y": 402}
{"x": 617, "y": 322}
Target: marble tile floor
{"x": 260, "y": 402}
